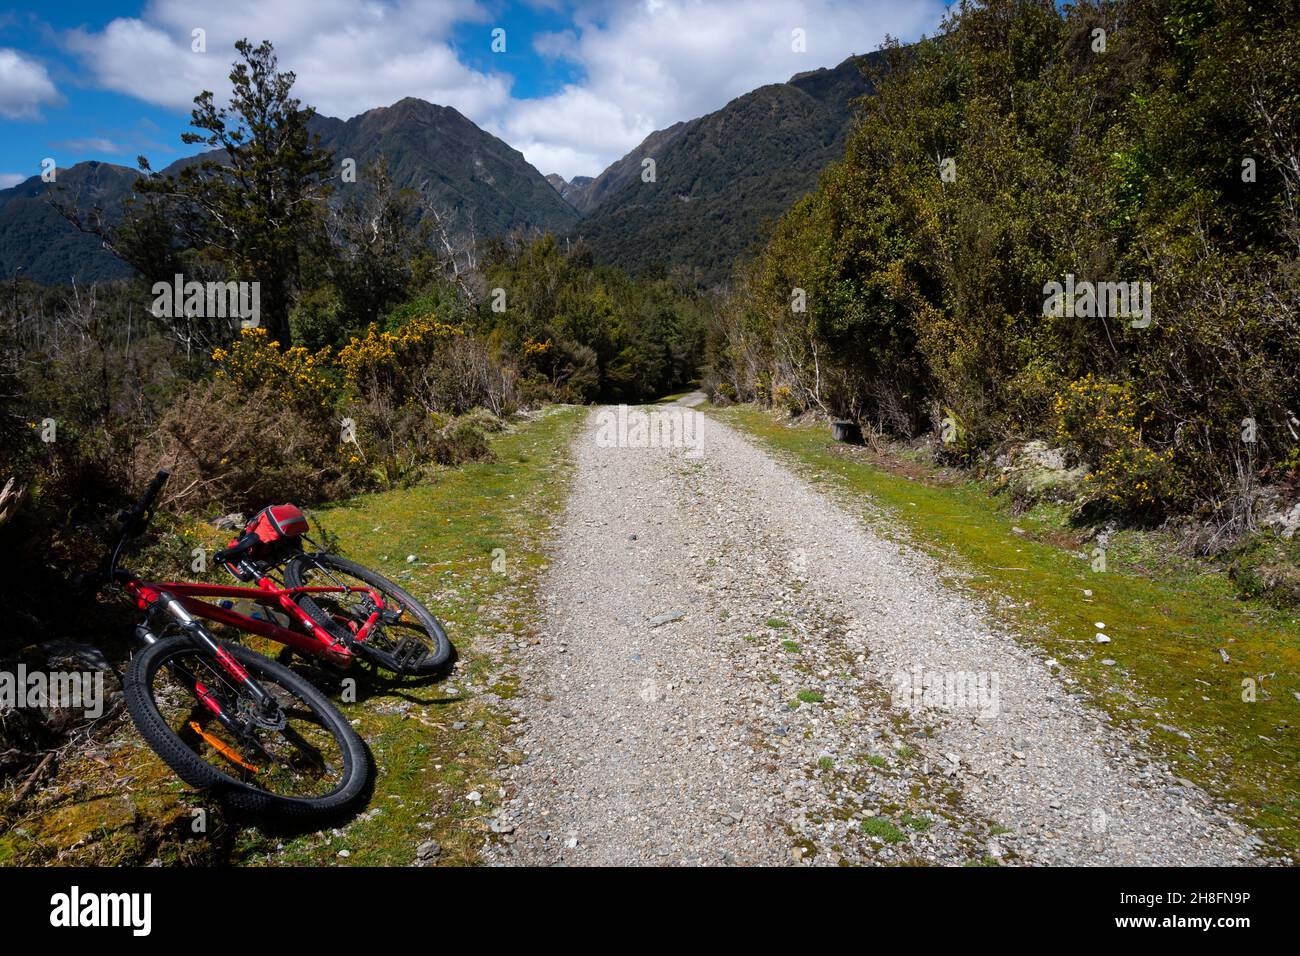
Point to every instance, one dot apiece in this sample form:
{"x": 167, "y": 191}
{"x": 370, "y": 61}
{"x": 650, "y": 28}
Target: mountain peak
{"x": 573, "y": 191}
{"x": 412, "y": 108}
{"x": 414, "y": 105}
{"x": 722, "y": 176}
{"x": 469, "y": 175}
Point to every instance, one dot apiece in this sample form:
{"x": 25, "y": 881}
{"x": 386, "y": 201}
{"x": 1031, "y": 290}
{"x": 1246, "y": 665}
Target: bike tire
{"x": 434, "y": 661}
{"x": 198, "y": 773}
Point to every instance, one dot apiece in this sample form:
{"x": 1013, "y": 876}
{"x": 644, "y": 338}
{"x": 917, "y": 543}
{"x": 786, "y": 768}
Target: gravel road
{"x": 733, "y": 669}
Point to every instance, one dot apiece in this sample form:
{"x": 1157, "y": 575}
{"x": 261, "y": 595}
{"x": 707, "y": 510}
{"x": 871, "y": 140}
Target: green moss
{"x": 1268, "y": 567}
{"x": 883, "y": 829}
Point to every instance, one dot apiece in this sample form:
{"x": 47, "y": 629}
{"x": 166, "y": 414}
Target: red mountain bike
{"x": 336, "y": 610}
{"x": 224, "y": 718}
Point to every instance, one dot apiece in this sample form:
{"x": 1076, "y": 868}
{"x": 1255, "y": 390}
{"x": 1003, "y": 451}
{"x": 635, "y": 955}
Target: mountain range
{"x": 718, "y": 180}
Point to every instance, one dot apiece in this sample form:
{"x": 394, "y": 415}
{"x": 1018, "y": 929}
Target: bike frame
{"x": 311, "y": 639}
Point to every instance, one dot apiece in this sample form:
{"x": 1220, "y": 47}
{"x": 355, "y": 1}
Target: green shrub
{"x": 462, "y": 441}
{"x": 925, "y": 291}
{"x": 1268, "y": 566}
{"x": 484, "y": 420}
{"x": 1099, "y": 421}
{"x": 320, "y": 319}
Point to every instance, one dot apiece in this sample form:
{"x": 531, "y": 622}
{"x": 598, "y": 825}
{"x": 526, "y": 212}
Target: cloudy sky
{"x": 577, "y": 85}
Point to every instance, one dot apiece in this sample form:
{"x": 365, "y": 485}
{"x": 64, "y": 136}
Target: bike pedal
{"x": 409, "y": 652}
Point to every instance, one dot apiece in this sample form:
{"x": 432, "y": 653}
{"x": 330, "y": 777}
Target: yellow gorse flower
{"x": 377, "y": 354}
{"x": 254, "y": 361}
{"x": 1101, "y": 419}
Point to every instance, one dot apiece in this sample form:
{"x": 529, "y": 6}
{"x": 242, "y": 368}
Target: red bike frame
{"x": 312, "y": 639}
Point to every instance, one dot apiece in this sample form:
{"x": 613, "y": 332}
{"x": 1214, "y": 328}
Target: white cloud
{"x": 651, "y": 64}
{"x": 9, "y": 180}
{"x": 90, "y": 144}
{"x": 645, "y": 65}
{"x": 571, "y": 130}
{"x": 349, "y": 55}
{"x": 141, "y": 60}
{"x": 25, "y": 87}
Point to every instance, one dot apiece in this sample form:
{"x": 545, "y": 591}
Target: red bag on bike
{"x": 276, "y": 523}
{"x": 278, "y": 529}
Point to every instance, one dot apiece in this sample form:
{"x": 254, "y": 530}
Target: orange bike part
{"x": 221, "y": 748}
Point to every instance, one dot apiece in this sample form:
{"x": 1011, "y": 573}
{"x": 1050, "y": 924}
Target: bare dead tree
{"x": 455, "y": 242}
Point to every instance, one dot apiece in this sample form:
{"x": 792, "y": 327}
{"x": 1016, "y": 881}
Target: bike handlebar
{"x": 133, "y": 521}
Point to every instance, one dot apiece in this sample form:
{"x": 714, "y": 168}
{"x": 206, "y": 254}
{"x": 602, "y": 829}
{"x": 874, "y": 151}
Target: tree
{"x": 1170, "y": 159}
{"x": 251, "y": 207}
{"x": 369, "y": 245}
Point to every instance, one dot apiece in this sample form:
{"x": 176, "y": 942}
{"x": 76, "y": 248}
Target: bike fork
{"x": 265, "y": 702}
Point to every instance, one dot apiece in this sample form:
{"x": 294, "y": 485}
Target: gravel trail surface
{"x": 735, "y": 669}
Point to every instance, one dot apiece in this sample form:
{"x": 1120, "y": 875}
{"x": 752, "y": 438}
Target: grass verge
{"x": 476, "y": 535}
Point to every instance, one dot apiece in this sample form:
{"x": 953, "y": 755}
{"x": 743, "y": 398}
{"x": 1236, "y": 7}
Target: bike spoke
{"x": 300, "y": 758}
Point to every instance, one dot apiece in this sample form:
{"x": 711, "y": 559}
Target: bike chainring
{"x": 252, "y": 714}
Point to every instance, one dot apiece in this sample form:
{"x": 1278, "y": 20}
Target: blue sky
{"x": 578, "y": 85}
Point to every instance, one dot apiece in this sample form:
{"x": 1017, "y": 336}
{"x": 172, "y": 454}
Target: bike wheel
{"x": 409, "y": 640}
{"x": 314, "y": 765}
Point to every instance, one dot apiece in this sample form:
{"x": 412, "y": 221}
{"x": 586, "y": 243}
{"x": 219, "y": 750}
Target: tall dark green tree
{"x": 372, "y": 241}
{"x": 251, "y": 207}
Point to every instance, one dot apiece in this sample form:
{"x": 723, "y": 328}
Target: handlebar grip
{"x": 155, "y": 486}
{"x": 133, "y": 520}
